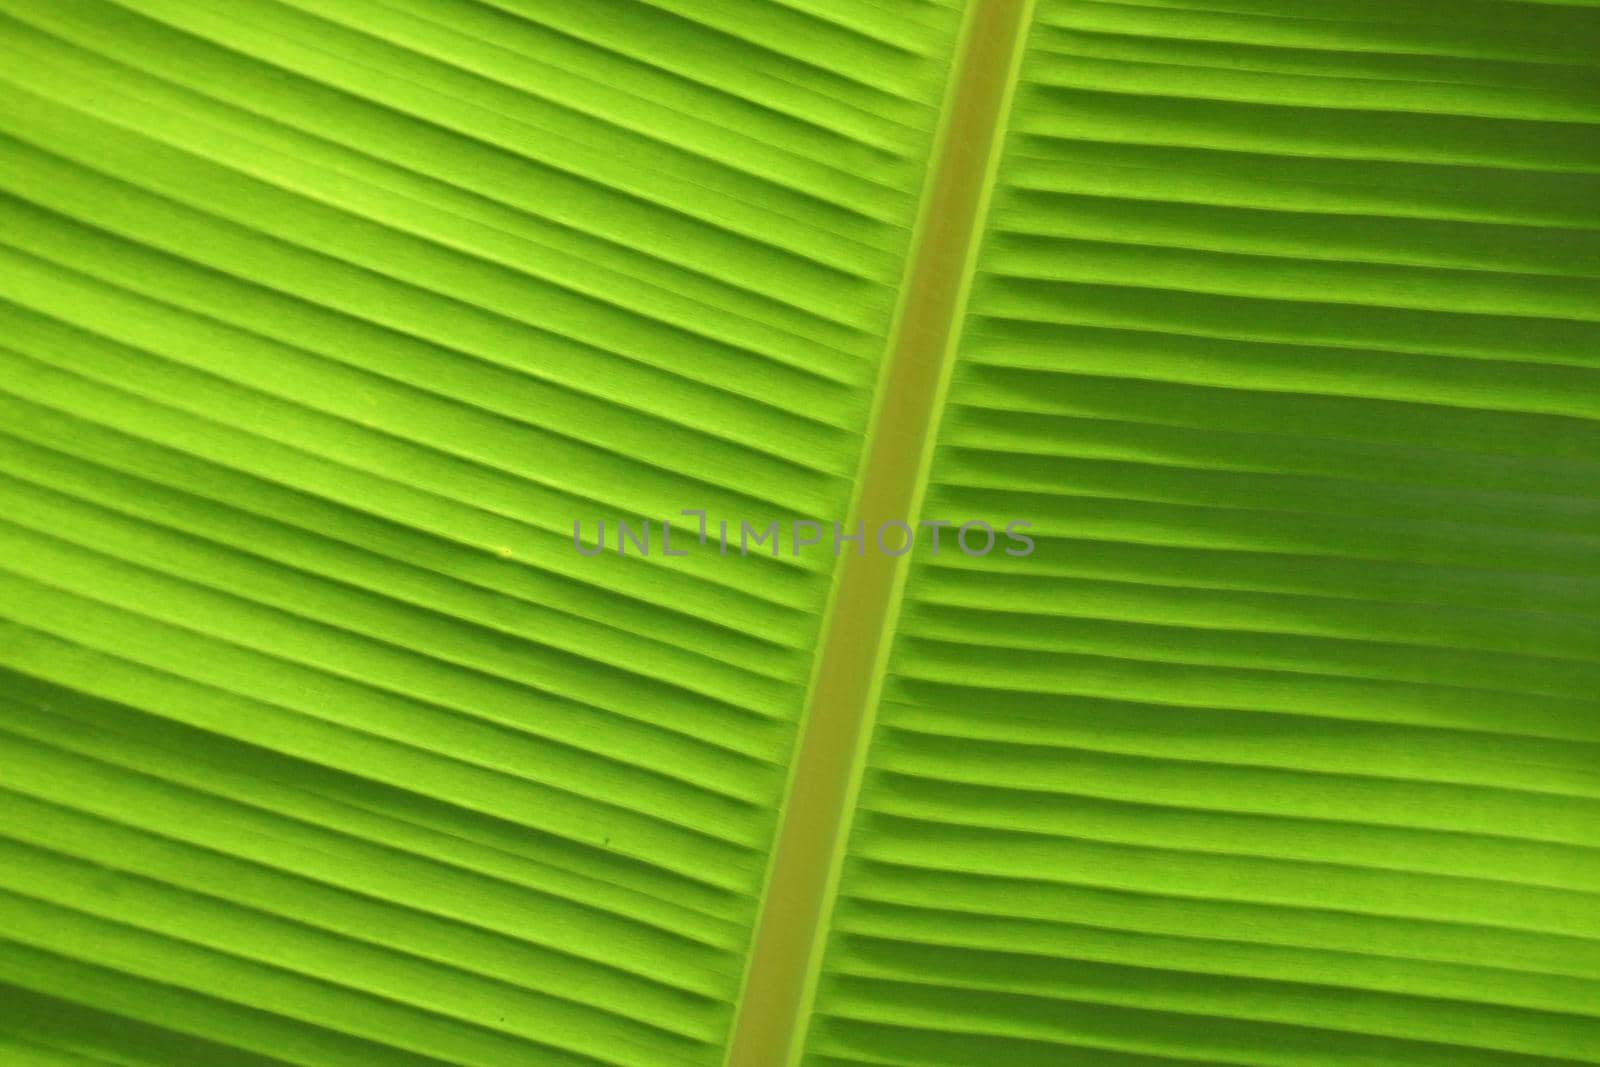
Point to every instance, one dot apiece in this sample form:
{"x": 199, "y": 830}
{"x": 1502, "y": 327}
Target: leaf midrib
{"x": 863, "y": 606}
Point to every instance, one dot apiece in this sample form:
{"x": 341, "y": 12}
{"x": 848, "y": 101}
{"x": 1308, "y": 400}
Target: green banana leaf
{"x": 345, "y": 343}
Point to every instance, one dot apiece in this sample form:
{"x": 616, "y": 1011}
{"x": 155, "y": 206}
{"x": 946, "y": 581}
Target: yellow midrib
{"x": 785, "y": 952}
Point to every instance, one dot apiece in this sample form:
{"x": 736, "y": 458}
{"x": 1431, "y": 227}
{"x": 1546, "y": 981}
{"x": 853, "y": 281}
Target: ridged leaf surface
{"x": 322, "y": 322}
